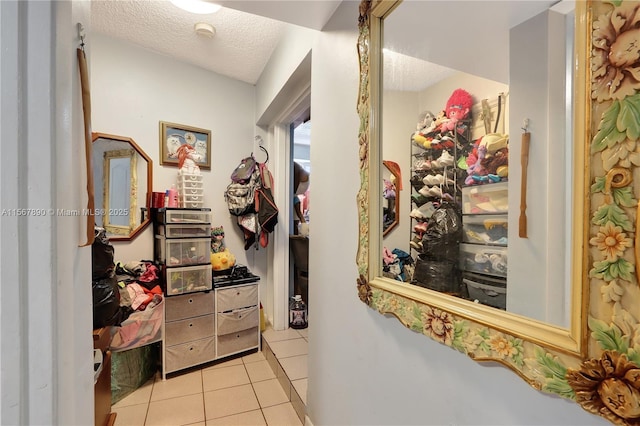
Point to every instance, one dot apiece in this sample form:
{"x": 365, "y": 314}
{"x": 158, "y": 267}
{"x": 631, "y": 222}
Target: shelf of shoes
{"x": 436, "y": 179}
{"x": 438, "y": 170}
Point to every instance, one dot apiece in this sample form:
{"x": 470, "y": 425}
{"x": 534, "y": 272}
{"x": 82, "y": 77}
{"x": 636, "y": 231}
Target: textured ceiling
{"x": 243, "y": 42}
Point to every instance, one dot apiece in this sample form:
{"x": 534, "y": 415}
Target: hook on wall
{"x": 260, "y": 142}
{"x": 81, "y": 34}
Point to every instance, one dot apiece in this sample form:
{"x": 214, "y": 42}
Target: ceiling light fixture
{"x": 197, "y": 6}
{"x": 204, "y": 29}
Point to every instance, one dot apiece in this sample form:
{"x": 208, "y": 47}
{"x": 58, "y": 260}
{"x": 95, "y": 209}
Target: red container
{"x": 157, "y": 199}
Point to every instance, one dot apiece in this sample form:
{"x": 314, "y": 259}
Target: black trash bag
{"x": 439, "y": 275}
{"x": 106, "y": 303}
{"x": 106, "y": 295}
{"x": 102, "y": 265}
{"x": 444, "y": 233}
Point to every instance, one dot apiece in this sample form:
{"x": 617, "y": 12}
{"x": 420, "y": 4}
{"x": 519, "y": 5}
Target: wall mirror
{"x": 122, "y": 186}
{"x": 565, "y": 78}
{"x": 465, "y": 164}
{"x": 390, "y": 196}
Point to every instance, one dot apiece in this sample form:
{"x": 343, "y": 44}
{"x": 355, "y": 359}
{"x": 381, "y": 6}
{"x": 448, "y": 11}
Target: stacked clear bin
{"x": 190, "y": 190}
{"x": 182, "y": 247}
{"x": 483, "y": 253}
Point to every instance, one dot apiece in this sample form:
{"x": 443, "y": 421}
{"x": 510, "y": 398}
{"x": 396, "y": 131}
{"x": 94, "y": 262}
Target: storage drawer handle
{"x": 190, "y": 300}
{"x": 190, "y": 325}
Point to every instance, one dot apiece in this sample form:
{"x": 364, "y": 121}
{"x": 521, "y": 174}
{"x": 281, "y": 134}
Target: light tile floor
{"x": 241, "y": 391}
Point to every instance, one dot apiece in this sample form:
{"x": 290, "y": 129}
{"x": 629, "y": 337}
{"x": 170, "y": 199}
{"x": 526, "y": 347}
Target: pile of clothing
{"x": 139, "y": 283}
{"x": 397, "y": 264}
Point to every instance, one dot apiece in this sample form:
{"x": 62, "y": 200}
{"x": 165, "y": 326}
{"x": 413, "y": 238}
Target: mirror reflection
{"x": 391, "y": 185}
{"x": 120, "y": 178}
{"x": 459, "y": 115}
{"x": 122, "y": 185}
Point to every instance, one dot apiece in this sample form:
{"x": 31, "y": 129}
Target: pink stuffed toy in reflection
{"x": 458, "y": 107}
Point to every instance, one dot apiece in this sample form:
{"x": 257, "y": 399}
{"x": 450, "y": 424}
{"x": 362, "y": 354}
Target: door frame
{"x": 279, "y": 140}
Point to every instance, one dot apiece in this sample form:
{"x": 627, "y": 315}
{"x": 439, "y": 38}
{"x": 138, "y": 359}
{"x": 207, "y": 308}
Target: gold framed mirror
{"x": 591, "y": 356}
{"x": 122, "y": 184}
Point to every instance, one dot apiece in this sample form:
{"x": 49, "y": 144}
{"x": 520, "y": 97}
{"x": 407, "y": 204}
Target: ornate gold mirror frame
{"x": 596, "y": 360}
{"x": 137, "y": 193}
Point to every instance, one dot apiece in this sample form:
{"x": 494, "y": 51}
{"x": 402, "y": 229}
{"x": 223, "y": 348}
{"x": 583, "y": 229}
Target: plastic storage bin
{"x": 187, "y": 251}
{"x": 191, "y": 200}
{"x": 188, "y": 279}
{"x": 491, "y": 292}
{"x": 482, "y": 259}
{"x": 189, "y": 178}
{"x": 488, "y": 198}
{"x": 169, "y": 216}
{"x": 190, "y": 184}
{"x": 485, "y": 229}
{"x": 191, "y": 193}
{"x": 184, "y": 231}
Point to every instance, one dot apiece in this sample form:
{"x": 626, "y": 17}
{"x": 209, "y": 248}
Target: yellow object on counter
{"x": 222, "y": 260}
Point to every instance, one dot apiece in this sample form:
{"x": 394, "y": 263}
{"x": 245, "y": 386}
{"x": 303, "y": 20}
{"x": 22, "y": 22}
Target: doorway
{"x": 300, "y": 166}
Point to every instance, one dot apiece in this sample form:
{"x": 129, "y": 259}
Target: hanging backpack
{"x": 240, "y": 196}
{"x": 245, "y": 170}
{"x": 266, "y": 208}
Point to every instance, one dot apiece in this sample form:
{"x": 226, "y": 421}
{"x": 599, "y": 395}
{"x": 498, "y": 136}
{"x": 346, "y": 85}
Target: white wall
{"x": 282, "y": 70}
{"x": 538, "y": 78}
{"x": 45, "y": 277}
{"x": 399, "y": 120}
{"x": 365, "y": 368}
{"x": 134, "y": 89}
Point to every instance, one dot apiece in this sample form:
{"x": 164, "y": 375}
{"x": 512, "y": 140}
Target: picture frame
{"x": 173, "y": 135}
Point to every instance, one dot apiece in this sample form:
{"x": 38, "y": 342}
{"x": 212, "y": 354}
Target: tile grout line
{"x": 204, "y": 404}
{"x": 255, "y": 394}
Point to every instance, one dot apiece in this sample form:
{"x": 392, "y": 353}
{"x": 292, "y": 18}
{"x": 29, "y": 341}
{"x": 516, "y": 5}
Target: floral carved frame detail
{"x": 604, "y": 375}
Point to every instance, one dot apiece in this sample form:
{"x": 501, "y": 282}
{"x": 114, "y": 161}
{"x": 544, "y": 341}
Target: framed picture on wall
{"x": 173, "y": 135}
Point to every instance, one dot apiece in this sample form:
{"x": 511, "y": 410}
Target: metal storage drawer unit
{"x": 182, "y": 246}
{"x": 198, "y": 317}
{"x": 189, "y": 331}
{"x": 237, "y": 319}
